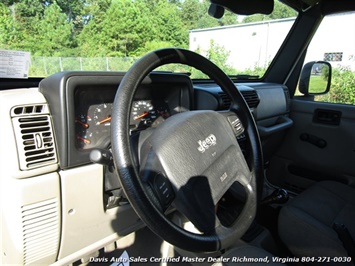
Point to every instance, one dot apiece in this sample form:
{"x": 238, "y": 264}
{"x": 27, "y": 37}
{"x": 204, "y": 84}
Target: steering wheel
{"x": 189, "y": 161}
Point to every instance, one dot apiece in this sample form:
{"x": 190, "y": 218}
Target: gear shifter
{"x": 279, "y": 196}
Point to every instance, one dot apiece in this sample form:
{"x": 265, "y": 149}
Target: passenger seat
{"x": 315, "y": 223}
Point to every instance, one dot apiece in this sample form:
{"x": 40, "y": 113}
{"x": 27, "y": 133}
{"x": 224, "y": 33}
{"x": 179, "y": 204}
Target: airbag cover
{"x": 201, "y": 157}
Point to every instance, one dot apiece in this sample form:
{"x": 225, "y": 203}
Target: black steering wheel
{"x": 189, "y": 161}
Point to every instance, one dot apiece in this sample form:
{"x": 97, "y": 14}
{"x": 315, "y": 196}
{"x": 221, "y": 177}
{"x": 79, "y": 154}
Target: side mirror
{"x": 315, "y": 78}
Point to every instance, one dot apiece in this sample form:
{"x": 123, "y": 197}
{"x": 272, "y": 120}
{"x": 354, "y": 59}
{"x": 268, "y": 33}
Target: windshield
{"x": 109, "y": 35}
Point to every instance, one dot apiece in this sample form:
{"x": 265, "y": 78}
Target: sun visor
{"x": 246, "y": 7}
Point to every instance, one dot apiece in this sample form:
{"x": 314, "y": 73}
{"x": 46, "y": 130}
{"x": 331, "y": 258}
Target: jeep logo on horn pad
{"x": 205, "y": 144}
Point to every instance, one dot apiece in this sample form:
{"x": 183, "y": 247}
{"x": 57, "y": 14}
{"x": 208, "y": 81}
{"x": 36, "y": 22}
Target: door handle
{"x": 328, "y": 117}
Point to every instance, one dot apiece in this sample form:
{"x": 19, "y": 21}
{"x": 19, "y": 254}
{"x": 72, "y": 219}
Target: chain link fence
{"x": 44, "y": 66}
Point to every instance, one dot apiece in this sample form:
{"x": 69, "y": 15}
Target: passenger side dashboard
{"x": 268, "y": 102}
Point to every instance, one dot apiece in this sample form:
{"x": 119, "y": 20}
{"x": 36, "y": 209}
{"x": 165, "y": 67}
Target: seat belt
{"x": 345, "y": 237}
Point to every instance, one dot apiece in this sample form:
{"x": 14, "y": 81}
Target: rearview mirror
{"x": 315, "y": 78}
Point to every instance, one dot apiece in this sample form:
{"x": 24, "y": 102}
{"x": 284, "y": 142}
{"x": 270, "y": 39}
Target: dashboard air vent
{"x": 226, "y": 101}
{"x": 251, "y": 97}
{"x": 35, "y": 141}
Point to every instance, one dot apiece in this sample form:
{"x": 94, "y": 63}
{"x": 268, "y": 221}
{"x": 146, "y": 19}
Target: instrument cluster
{"x": 81, "y": 105}
{"x": 93, "y": 116}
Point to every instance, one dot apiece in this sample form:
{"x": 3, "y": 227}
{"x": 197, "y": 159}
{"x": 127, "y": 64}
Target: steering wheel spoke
{"x": 153, "y": 174}
{"x": 234, "y": 121}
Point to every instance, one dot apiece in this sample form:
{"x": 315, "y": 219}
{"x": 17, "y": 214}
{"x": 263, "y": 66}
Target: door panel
{"x": 319, "y": 146}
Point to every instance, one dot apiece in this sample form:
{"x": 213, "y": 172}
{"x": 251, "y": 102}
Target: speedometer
{"x": 143, "y": 113}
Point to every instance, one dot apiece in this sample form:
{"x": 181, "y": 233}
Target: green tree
{"x": 167, "y": 24}
{"x": 75, "y": 13}
{"x": 342, "y": 87}
{"x": 229, "y": 18}
{"x": 195, "y": 15}
{"x": 190, "y": 13}
{"x": 54, "y": 33}
{"x": 7, "y": 27}
{"x": 97, "y": 28}
{"x": 89, "y": 38}
{"x": 205, "y": 20}
{"x": 95, "y": 9}
{"x": 72, "y": 8}
{"x": 218, "y": 55}
{"x": 29, "y": 8}
{"x": 153, "y": 45}
{"x": 282, "y": 11}
{"x": 37, "y": 26}
{"x": 121, "y": 31}
{"x": 16, "y": 28}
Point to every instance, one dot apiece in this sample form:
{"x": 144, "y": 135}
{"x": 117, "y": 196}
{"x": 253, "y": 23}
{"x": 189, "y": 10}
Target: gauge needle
{"x": 141, "y": 116}
{"x": 82, "y": 123}
{"x": 105, "y": 120}
{"x": 86, "y": 141}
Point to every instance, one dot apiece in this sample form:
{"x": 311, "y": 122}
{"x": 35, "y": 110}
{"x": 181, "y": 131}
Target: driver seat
{"x": 307, "y": 223}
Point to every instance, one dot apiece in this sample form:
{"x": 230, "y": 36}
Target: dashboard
{"x": 81, "y": 106}
{"x": 53, "y": 127}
